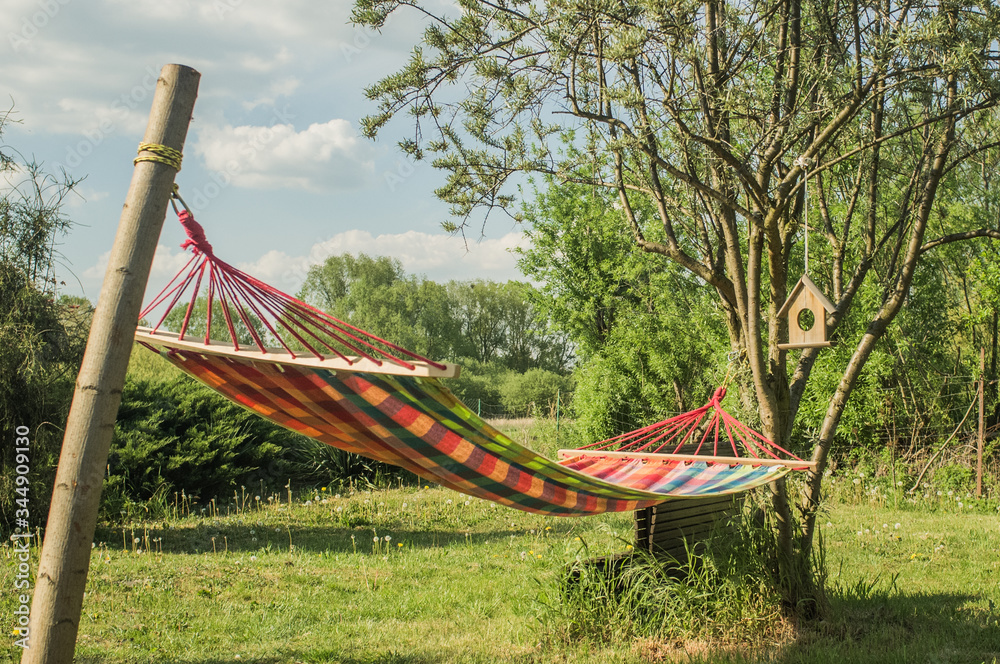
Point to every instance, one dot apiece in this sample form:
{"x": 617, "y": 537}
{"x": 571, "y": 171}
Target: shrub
{"x": 534, "y": 392}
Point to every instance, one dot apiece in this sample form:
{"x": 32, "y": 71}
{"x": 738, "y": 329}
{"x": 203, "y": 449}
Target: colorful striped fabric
{"x": 417, "y": 424}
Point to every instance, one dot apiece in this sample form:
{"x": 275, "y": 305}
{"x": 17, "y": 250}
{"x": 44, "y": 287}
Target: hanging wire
{"x": 804, "y": 163}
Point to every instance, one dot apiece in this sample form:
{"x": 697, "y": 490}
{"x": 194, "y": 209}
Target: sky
{"x": 274, "y": 166}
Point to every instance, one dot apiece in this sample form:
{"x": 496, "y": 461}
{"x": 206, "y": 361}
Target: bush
{"x": 534, "y": 392}
{"x": 478, "y": 383}
{"x": 176, "y": 435}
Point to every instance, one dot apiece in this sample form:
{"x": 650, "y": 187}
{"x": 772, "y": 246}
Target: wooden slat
{"x": 654, "y": 458}
{"x": 678, "y": 525}
{"x": 659, "y": 526}
{"x": 693, "y": 508}
{"x": 692, "y": 534}
{"x": 281, "y": 356}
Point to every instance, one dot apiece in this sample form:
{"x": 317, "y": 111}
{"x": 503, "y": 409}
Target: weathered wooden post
{"x": 69, "y": 533}
{"x": 981, "y": 437}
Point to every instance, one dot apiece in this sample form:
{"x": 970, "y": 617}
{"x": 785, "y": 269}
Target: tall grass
{"x": 719, "y": 593}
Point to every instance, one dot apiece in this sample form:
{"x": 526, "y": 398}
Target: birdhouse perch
{"x": 806, "y": 309}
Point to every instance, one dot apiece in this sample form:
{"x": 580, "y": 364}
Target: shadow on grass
{"x": 305, "y": 539}
{"x": 320, "y": 656}
{"x": 889, "y": 629}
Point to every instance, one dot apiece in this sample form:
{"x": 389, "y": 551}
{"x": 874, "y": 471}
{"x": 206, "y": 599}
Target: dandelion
{"x": 399, "y": 544}
{"x": 337, "y": 496}
{"x": 387, "y": 538}
{"x": 309, "y": 502}
{"x": 375, "y": 539}
{"x": 323, "y": 489}
{"x": 897, "y": 526}
{"x": 404, "y": 506}
{"x": 960, "y": 505}
{"x": 860, "y": 533}
{"x": 136, "y": 540}
{"x": 939, "y": 493}
{"x": 252, "y": 532}
{"x": 885, "y": 525}
{"x": 951, "y": 493}
{"x": 468, "y": 502}
{"x": 857, "y": 481}
{"x": 448, "y": 502}
{"x": 629, "y": 547}
{"x": 253, "y": 558}
{"x": 257, "y": 498}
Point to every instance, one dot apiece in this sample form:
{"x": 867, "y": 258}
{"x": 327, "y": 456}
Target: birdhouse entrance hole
{"x": 806, "y": 320}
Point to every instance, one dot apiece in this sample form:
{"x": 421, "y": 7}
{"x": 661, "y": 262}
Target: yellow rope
{"x": 160, "y": 154}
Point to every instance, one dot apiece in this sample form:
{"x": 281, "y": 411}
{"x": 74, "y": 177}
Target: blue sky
{"x": 274, "y": 166}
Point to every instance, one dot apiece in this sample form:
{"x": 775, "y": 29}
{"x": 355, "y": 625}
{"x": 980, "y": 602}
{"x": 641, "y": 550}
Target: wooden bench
{"x": 678, "y": 525}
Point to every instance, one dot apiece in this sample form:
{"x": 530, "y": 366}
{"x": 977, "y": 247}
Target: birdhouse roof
{"x": 805, "y": 283}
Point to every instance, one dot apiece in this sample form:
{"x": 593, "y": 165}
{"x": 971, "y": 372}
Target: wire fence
{"x": 936, "y": 422}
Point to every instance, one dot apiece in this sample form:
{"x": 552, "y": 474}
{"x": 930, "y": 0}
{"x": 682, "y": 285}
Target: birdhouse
{"x": 806, "y": 309}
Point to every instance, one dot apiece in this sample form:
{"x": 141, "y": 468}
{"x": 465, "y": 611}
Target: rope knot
{"x": 196, "y": 234}
{"x": 719, "y": 395}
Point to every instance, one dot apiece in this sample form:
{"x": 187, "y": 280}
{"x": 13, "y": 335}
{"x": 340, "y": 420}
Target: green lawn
{"x": 452, "y": 579}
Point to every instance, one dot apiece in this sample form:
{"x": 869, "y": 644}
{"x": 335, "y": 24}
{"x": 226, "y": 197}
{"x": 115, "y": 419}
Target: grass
{"x": 420, "y": 574}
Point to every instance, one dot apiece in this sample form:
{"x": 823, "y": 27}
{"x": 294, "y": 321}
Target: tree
{"x": 376, "y": 295}
{"x": 41, "y": 336}
{"x": 721, "y": 115}
{"x": 647, "y": 333}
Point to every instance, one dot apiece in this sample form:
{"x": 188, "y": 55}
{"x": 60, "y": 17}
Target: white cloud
{"x": 323, "y": 157}
{"x": 436, "y": 256}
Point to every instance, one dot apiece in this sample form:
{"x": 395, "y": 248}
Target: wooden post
{"x": 980, "y": 439}
{"x": 69, "y": 534}
{"x": 558, "y": 400}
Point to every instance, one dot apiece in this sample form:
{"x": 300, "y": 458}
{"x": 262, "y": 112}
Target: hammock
{"x": 311, "y": 373}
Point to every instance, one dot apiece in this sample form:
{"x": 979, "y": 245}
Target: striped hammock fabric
{"x": 416, "y": 423}
{"x": 350, "y": 389}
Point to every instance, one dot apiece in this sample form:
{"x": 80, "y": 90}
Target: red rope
{"x": 258, "y": 305}
{"x": 655, "y": 438}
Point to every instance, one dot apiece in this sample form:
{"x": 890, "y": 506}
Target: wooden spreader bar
{"x": 282, "y": 356}
{"x": 688, "y": 458}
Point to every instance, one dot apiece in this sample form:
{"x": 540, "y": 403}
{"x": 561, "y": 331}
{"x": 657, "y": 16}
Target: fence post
{"x": 558, "y": 395}
{"x": 981, "y": 434}
{"x": 69, "y": 533}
